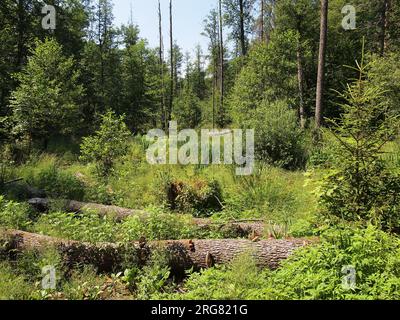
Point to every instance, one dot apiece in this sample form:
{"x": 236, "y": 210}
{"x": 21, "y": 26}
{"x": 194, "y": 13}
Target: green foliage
{"x": 12, "y": 286}
{"x": 313, "y": 273}
{"x": 83, "y": 284}
{"x": 316, "y": 273}
{"x": 46, "y": 101}
{"x": 361, "y": 188}
{"x": 14, "y": 215}
{"x": 107, "y": 145}
{"x": 152, "y": 280}
{"x": 238, "y": 281}
{"x": 197, "y": 196}
{"x": 279, "y": 140}
{"x": 158, "y": 226}
{"x": 88, "y": 227}
{"x": 188, "y": 109}
{"x": 57, "y": 183}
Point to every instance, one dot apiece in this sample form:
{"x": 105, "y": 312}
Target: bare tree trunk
{"x": 183, "y": 254}
{"x": 300, "y": 78}
{"x": 242, "y": 32}
{"x": 221, "y": 60}
{"x": 171, "y": 97}
{"x": 321, "y": 64}
{"x": 384, "y": 26}
{"x": 161, "y": 60}
{"x": 262, "y": 21}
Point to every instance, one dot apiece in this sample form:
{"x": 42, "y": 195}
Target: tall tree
{"x": 384, "y": 25}
{"x": 171, "y": 39}
{"x": 239, "y": 17}
{"x": 211, "y": 30}
{"x": 46, "y": 101}
{"x": 161, "y": 65}
{"x": 321, "y": 63}
{"x": 221, "y": 65}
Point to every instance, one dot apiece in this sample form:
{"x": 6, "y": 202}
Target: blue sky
{"x": 188, "y": 20}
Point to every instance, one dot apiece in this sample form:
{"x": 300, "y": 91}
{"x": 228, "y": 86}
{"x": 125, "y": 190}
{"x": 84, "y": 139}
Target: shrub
{"x": 279, "y": 139}
{"x": 197, "y": 196}
{"x": 316, "y": 272}
{"x": 58, "y": 184}
{"x": 14, "y": 215}
{"x": 107, "y": 145}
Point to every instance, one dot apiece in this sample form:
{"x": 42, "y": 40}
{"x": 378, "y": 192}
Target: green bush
{"x": 14, "y": 215}
{"x": 279, "y": 139}
{"x": 195, "y": 195}
{"x": 58, "y": 184}
{"x": 316, "y": 272}
{"x": 107, "y": 145}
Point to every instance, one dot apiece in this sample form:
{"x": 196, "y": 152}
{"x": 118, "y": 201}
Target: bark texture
{"x": 183, "y": 254}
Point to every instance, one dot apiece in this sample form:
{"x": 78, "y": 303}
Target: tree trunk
{"x": 171, "y": 39}
{"x": 384, "y": 26}
{"x": 183, "y": 254}
{"x": 161, "y": 61}
{"x": 221, "y": 64}
{"x": 300, "y": 78}
{"x": 321, "y": 64}
{"x": 242, "y": 32}
{"x": 262, "y": 21}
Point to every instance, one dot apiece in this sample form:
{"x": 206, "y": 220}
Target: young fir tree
{"x": 361, "y": 189}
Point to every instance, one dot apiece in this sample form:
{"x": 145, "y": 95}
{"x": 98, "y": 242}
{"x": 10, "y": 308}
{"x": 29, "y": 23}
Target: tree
{"x": 321, "y": 64}
{"x": 107, "y": 145}
{"x": 171, "y": 93}
{"x": 46, "y": 101}
{"x": 361, "y": 188}
{"x": 162, "y": 67}
{"x": 238, "y": 16}
{"x": 221, "y": 111}
{"x": 101, "y": 63}
{"x": 211, "y": 30}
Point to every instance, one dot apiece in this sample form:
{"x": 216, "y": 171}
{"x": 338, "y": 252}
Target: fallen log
{"x": 238, "y": 228}
{"x": 43, "y": 204}
{"x": 182, "y": 255}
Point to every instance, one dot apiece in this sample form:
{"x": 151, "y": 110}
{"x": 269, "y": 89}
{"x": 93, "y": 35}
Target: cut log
{"x": 42, "y": 204}
{"x": 234, "y": 228}
{"x": 183, "y": 254}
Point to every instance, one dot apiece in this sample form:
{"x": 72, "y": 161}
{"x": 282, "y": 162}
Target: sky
{"x": 188, "y": 20}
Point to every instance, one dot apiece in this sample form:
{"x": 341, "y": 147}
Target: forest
{"x": 85, "y": 214}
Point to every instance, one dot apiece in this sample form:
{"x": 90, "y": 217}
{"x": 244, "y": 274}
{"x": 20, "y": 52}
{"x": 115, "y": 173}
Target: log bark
{"x": 238, "y": 228}
{"x": 183, "y": 254}
{"x": 319, "y": 109}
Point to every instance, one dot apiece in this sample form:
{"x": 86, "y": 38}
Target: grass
{"x": 283, "y": 199}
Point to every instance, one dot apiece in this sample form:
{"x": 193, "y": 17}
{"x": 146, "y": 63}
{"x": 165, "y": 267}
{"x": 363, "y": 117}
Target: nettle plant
{"x": 107, "y": 145}
{"x": 361, "y": 188}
